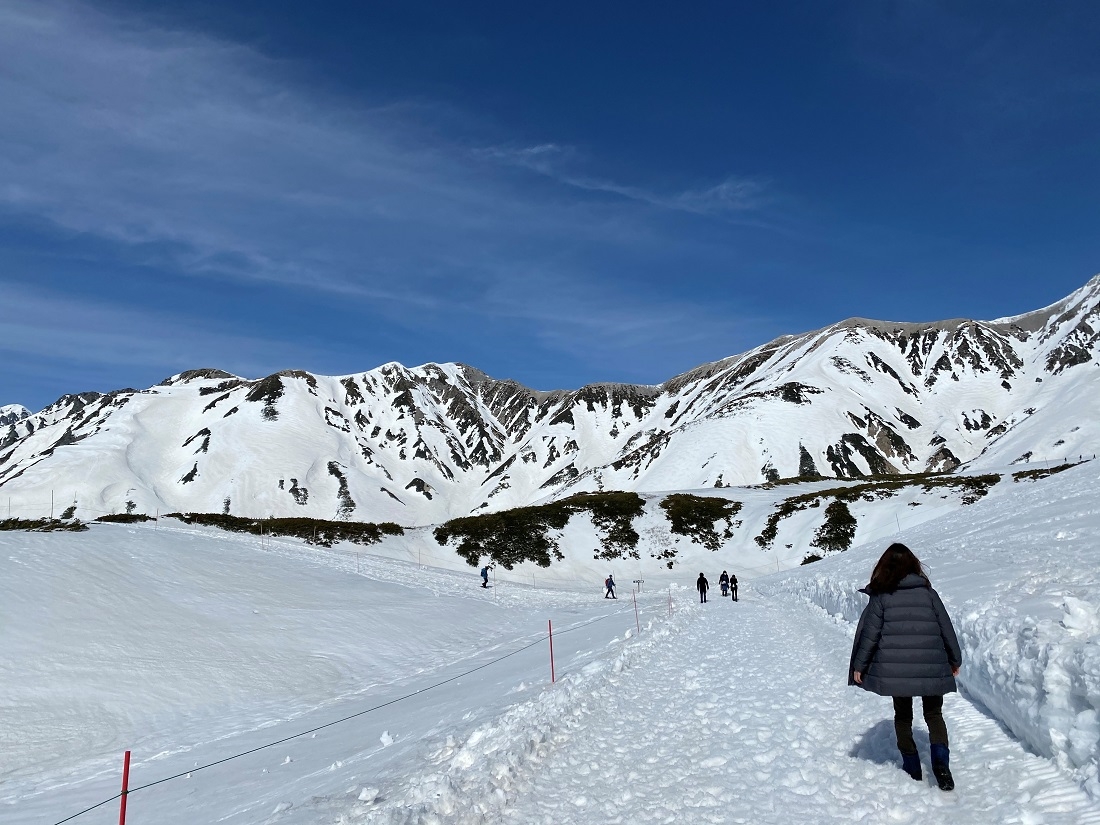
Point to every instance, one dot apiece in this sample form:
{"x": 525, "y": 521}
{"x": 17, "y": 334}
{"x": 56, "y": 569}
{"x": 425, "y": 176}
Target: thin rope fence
{"x": 417, "y": 692}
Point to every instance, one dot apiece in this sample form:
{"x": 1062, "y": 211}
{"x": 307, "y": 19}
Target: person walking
{"x": 733, "y": 586}
{"x": 703, "y": 586}
{"x": 609, "y": 583}
{"x": 485, "y": 575}
{"x": 905, "y": 646}
{"x": 724, "y": 583}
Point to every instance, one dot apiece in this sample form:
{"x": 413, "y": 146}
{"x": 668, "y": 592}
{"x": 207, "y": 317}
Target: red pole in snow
{"x": 637, "y": 621}
{"x": 125, "y": 787}
{"x": 550, "y": 628}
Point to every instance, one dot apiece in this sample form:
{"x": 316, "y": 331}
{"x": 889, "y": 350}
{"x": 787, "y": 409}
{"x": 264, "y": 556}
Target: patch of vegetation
{"x": 125, "y": 518}
{"x": 973, "y": 488}
{"x": 1035, "y": 475}
{"x": 807, "y": 469}
{"x": 510, "y": 537}
{"x": 695, "y": 517}
{"x": 613, "y": 514}
{"x": 314, "y": 531}
{"x": 70, "y": 511}
{"x": 43, "y": 525}
{"x": 838, "y": 529}
{"x": 811, "y": 558}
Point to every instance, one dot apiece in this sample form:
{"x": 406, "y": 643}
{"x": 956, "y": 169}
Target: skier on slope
{"x": 703, "y": 585}
{"x": 905, "y": 646}
{"x": 724, "y": 583}
{"x": 609, "y": 583}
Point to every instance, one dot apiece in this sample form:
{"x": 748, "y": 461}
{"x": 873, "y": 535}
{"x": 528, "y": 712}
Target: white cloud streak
{"x": 203, "y": 158}
{"x": 43, "y": 326}
{"x": 730, "y": 196}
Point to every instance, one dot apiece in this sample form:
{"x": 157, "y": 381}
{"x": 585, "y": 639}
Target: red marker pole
{"x": 550, "y": 628}
{"x": 637, "y": 621}
{"x": 125, "y": 789}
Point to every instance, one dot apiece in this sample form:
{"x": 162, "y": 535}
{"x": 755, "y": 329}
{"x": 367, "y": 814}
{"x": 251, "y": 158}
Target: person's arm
{"x": 947, "y": 633}
{"x": 868, "y": 640}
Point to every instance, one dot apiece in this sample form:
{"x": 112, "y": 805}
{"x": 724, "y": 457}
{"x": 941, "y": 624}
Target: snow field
{"x": 190, "y": 645}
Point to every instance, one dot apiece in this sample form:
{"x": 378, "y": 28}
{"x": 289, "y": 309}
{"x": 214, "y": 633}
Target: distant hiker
{"x": 485, "y": 575}
{"x": 905, "y": 646}
{"x": 724, "y": 583}
{"x": 609, "y": 583}
{"x": 703, "y": 586}
{"x": 733, "y": 586}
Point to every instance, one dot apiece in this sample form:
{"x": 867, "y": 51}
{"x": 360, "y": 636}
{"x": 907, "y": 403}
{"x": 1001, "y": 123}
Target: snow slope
{"x": 423, "y": 445}
{"x": 191, "y": 646}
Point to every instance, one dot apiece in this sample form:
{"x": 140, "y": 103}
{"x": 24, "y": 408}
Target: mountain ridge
{"x": 419, "y": 445}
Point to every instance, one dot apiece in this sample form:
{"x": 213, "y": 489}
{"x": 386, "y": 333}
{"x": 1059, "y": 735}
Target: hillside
{"x": 423, "y": 445}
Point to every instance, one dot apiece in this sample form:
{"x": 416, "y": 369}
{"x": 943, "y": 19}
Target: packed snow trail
{"x": 745, "y": 717}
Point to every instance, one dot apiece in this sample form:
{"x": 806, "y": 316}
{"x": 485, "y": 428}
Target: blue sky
{"x": 559, "y": 194}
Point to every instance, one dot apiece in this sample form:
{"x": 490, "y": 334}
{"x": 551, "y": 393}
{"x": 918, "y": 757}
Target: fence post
{"x": 550, "y": 630}
{"x": 637, "y": 621}
{"x": 125, "y": 789}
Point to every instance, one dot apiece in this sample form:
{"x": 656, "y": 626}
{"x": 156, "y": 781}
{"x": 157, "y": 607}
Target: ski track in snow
{"x": 743, "y": 716}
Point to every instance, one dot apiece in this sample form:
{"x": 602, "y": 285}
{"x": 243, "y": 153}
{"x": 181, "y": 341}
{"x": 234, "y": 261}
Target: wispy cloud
{"x": 729, "y": 196}
{"x": 45, "y": 326}
{"x": 206, "y": 156}
{"x": 202, "y": 159}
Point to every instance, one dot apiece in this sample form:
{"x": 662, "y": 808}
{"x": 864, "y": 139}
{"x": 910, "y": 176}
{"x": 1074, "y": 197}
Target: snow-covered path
{"x": 745, "y": 717}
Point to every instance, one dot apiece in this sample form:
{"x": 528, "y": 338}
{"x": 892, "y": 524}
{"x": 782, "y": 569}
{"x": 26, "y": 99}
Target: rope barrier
{"x": 417, "y": 692}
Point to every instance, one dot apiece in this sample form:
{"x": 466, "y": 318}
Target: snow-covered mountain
{"x": 421, "y": 445}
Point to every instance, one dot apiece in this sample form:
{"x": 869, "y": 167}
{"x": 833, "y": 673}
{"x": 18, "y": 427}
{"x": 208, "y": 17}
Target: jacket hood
{"x": 912, "y": 580}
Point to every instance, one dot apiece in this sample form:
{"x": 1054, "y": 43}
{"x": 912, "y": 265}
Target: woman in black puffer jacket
{"x": 905, "y": 646}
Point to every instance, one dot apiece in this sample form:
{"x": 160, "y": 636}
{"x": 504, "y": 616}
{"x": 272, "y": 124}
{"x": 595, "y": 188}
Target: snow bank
{"x": 1019, "y": 574}
{"x": 480, "y": 776}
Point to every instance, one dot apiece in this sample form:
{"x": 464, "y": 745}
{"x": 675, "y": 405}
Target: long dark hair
{"x": 896, "y": 563}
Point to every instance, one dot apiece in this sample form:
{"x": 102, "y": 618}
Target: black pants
{"x": 933, "y": 717}
{"x": 733, "y": 592}
{"x": 702, "y": 596}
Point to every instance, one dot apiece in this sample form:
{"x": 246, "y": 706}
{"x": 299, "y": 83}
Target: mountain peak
{"x": 10, "y": 413}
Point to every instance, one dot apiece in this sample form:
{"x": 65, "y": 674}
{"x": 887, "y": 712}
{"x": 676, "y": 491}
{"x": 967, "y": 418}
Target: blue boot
{"x": 910, "y": 763}
{"x": 941, "y": 756}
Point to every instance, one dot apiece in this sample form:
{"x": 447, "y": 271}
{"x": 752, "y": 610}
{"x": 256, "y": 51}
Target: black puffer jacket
{"x": 905, "y": 644}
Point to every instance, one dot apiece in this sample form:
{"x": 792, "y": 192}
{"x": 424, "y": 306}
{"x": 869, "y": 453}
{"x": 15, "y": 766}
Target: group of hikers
{"x": 727, "y": 581}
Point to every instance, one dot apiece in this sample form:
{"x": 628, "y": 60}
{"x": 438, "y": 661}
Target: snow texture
{"x": 189, "y": 646}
